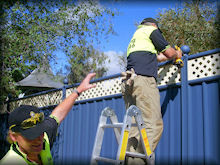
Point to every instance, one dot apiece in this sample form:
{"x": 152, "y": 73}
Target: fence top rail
{"x": 97, "y": 80}
{"x": 206, "y": 53}
{"x": 192, "y": 56}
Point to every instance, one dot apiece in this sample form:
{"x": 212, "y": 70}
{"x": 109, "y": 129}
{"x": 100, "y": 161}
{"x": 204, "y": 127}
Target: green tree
{"x": 32, "y": 30}
{"x": 122, "y": 61}
{"x": 83, "y": 60}
{"x": 195, "y": 23}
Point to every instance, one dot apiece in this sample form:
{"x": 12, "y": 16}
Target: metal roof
{"x": 40, "y": 77}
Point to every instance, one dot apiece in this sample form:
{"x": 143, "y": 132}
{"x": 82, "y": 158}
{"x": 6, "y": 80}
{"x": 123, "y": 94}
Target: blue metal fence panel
{"x": 169, "y": 147}
{"x": 202, "y": 130}
{"x": 211, "y": 110}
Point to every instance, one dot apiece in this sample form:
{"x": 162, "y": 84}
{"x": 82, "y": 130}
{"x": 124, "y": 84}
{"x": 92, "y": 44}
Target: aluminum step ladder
{"x": 121, "y": 131}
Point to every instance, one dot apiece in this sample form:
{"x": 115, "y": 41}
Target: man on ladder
{"x": 139, "y": 83}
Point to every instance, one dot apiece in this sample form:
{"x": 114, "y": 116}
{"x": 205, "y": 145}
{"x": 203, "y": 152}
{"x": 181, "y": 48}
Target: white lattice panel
{"x": 168, "y": 74}
{"x": 205, "y": 66}
{"x": 103, "y": 88}
{"x": 48, "y": 99}
{"x": 201, "y": 67}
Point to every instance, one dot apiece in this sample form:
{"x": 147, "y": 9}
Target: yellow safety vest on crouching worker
{"x": 16, "y": 156}
{"x": 141, "y": 40}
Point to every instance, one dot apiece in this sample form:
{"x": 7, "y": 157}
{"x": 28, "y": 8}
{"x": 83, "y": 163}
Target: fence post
{"x": 184, "y": 104}
{"x": 61, "y": 127}
{"x": 65, "y": 81}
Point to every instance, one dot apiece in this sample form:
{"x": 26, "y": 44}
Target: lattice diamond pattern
{"x": 204, "y": 67}
{"x": 51, "y": 98}
{"x": 103, "y": 88}
{"x": 168, "y": 74}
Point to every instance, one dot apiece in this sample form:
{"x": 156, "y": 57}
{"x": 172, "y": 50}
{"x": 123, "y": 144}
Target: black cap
{"x": 150, "y": 20}
{"x": 22, "y": 113}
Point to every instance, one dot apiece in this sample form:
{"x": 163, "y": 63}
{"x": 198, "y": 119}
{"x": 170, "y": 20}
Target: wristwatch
{"x": 77, "y": 92}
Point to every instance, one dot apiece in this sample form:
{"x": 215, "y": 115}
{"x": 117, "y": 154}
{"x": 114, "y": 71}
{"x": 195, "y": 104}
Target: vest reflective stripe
{"x": 45, "y": 154}
{"x": 141, "y": 40}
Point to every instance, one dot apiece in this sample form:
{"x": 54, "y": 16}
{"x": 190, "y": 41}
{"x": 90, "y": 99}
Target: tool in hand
{"x": 178, "y": 62}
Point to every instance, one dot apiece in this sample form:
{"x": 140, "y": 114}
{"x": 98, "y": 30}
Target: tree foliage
{"x": 122, "y": 61}
{"x": 32, "y": 30}
{"x": 83, "y": 60}
{"x": 196, "y": 24}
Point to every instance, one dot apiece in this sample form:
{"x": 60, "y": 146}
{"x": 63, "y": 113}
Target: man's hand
{"x": 173, "y": 53}
{"x": 85, "y": 85}
{"x": 161, "y": 57}
{"x": 61, "y": 111}
{"x": 128, "y": 77}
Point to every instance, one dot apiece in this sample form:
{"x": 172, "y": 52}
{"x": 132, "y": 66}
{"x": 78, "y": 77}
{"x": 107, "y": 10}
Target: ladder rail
{"x": 98, "y": 140}
{"x": 117, "y": 130}
{"x": 124, "y": 137}
{"x": 107, "y": 112}
{"x": 143, "y": 133}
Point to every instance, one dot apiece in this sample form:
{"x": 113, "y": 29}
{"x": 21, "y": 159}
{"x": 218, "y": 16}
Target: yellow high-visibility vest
{"x": 141, "y": 40}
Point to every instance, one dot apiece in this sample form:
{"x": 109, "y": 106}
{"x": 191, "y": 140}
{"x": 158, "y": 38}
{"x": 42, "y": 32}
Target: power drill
{"x": 178, "y": 62}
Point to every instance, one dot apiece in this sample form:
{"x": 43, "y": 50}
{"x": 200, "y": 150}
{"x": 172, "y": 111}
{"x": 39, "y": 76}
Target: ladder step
{"x": 135, "y": 155}
{"x": 107, "y": 160}
{"x": 116, "y": 125}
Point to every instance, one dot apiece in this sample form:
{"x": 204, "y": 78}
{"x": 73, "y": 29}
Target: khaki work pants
{"x": 145, "y": 95}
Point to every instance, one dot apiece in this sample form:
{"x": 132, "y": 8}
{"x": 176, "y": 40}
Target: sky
{"x": 130, "y": 12}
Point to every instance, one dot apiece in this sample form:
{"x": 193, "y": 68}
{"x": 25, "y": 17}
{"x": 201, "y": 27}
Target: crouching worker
{"x": 32, "y": 136}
